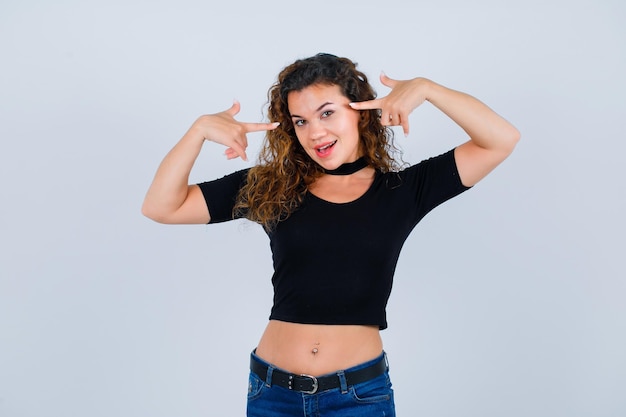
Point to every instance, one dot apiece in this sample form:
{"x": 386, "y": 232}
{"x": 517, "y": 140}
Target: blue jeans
{"x": 371, "y": 398}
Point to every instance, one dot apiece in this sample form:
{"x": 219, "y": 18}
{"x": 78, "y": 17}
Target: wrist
{"x": 196, "y": 133}
{"x": 427, "y": 87}
{"x": 193, "y": 139}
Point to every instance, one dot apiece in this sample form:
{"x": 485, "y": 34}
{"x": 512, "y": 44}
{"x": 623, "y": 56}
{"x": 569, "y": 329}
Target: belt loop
{"x": 342, "y": 382}
{"x": 268, "y": 378}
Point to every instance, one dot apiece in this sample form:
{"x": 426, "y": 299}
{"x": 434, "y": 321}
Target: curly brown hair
{"x": 277, "y": 185}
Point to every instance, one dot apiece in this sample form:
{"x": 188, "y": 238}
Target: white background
{"x": 508, "y": 300}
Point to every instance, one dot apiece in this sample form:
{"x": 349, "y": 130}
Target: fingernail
{"x": 276, "y": 124}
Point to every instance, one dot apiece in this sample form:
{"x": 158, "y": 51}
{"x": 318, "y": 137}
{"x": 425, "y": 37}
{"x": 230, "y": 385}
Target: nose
{"x": 316, "y": 130}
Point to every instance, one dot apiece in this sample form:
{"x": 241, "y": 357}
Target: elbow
{"x": 515, "y": 136}
{"x": 149, "y": 212}
{"x": 152, "y": 213}
{"x": 511, "y": 139}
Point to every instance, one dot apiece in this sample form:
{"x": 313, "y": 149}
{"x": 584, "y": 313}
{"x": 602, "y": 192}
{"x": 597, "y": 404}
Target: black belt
{"x": 309, "y": 384}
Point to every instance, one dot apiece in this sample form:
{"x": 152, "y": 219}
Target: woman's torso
{"x": 314, "y": 349}
{"x": 317, "y": 349}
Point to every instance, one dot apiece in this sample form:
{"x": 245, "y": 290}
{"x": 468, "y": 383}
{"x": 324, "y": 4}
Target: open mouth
{"x": 325, "y": 149}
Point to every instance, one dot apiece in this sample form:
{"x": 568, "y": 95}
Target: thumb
{"x": 387, "y": 81}
{"x": 234, "y": 109}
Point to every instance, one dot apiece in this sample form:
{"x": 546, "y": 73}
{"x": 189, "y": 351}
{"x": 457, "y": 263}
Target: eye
{"x": 299, "y": 123}
{"x": 326, "y": 113}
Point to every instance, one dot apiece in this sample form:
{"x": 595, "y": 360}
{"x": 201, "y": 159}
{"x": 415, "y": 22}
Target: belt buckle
{"x": 315, "y": 384}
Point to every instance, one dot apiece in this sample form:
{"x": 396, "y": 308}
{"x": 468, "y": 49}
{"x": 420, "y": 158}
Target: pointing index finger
{"x": 259, "y": 127}
{"x": 367, "y": 105}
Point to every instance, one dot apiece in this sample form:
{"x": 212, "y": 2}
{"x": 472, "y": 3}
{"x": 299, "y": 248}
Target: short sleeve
{"x": 221, "y": 194}
{"x": 433, "y": 181}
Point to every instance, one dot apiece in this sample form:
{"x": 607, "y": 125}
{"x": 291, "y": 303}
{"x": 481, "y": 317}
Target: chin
{"x": 328, "y": 165}
{"x": 324, "y": 163}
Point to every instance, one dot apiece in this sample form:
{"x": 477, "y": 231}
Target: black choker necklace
{"x": 348, "y": 168}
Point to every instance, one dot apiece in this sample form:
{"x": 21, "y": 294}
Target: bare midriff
{"x": 316, "y": 349}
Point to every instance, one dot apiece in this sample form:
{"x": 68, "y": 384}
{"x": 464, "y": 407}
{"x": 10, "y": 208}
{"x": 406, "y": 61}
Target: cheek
{"x": 299, "y": 137}
{"x": 353, "y": 126}
{"x": 354, "y": 119}
{"x": 300, "y": 141}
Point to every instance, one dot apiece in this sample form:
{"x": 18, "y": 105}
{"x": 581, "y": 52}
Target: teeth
{"x": 326, "y": 146}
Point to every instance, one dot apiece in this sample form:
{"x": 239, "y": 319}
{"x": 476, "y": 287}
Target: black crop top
{"x": 334, "y": 263}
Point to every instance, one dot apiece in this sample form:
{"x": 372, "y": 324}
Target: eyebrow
{"x": 316, "y": 110}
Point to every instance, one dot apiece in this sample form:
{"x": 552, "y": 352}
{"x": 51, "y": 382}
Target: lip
{"x": 325, "y": 149}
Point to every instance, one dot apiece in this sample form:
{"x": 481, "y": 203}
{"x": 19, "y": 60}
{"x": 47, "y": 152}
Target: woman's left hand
{"x": 405, "y": 96}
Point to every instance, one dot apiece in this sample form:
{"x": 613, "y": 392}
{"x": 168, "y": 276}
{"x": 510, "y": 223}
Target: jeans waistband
{"x": 310, "y": 384}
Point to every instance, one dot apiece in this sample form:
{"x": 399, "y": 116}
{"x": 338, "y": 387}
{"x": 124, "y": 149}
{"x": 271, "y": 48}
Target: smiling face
{"x": 326, "y": 127}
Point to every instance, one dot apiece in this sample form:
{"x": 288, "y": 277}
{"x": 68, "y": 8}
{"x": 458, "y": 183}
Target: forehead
{"x": 313, "y": 96}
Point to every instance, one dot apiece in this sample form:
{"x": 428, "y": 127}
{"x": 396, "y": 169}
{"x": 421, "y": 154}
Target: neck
{"x": 348, "y": 168}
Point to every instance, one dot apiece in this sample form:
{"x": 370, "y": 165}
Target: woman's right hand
{"x": 170, "y": 199}
{"x": 222, "y": 128}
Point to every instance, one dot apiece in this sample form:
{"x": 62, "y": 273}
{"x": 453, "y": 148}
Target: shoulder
{"x": 437, "y": 174}
{"x": 435, "y": 165}
{"x": 443, "y": 161}
{"x": 236, "y": 179}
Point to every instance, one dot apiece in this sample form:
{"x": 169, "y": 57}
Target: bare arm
{"x": 492, "y": 138}
{"x": 170, "y": 199}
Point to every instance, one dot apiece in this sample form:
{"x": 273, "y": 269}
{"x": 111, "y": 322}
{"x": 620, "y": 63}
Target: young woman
{"x": 337, "y": 208}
